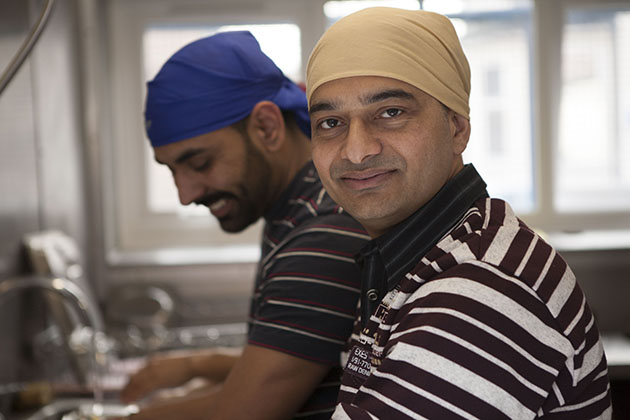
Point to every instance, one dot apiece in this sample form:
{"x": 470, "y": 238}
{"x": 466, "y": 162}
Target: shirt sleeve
{"x": 489, "y": 350}
{"x": 306, "y": 303}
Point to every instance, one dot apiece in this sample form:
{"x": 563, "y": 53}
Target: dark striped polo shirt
{"x": 482, "y": 321}
{"x": 307, "y": 285}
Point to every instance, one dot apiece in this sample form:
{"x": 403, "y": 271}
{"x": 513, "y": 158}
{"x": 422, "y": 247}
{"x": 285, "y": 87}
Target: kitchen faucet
{"x": 75, "y": 299}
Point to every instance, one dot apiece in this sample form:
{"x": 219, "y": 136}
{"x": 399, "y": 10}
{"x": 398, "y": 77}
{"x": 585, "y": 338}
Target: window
{"x": 592, "y": 168}
{"x": 336, "y": 9}
{"x": 550, "y": 109}
{"x": 496, "y": 37}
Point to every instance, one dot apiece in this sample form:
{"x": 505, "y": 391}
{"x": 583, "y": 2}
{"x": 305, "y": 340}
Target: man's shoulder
{"x": 335, "y": 233}
{"x": 487, "y": 231}
{"x": 307, "y": 199}
{"x": 490, "y": 237}
{"x": 493, "y": 249}
{"x": 321, "y": 242}
{"x": 311, "y": 211}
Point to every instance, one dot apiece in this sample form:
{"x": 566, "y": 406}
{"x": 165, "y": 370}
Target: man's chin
{"x": 230, "y": 225}
{"x": 232, "y": 228}
{"x": 238, "y": 219}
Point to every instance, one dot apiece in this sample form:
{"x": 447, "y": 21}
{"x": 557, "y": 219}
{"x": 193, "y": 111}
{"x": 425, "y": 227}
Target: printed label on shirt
{"x": 359, "y": 362}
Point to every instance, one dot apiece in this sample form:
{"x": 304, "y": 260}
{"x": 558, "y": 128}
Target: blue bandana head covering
{"x": 215, "y": 82}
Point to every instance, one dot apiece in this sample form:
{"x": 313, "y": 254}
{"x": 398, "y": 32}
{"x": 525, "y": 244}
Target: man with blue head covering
{"x": 234, "y": 131}
{"x": 221, "y": 87}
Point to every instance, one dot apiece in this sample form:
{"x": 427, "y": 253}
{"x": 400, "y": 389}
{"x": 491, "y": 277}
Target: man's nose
{"x": 188, "y": 189}
{"x": 361, "y": 143}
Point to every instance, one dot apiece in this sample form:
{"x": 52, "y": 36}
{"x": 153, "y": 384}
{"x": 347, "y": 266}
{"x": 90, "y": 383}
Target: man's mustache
{"x": 212, "y": 198}
{"x": 343, "y": 166}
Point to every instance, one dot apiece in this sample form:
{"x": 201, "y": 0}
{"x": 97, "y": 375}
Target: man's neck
{"x": 293, "y": 157}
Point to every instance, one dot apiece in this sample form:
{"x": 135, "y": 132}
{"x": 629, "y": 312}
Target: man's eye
{"x": 329, "y": 123}
{"x": 391, "y": 112}
{"x": 201, "y": 166}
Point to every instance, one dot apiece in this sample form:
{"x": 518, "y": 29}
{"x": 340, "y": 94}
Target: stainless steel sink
{"x": 82, "y": 409}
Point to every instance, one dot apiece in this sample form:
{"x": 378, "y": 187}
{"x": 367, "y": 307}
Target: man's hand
{"x": 174, "y": 370}
{"x": 159, "y": 372}
{"x": 193, "y": 406}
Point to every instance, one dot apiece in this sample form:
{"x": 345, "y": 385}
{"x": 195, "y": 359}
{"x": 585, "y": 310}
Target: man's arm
{"x": 262, "y": 384}
{"x": 304, "y": 315}
{"x": 266, "y": 384}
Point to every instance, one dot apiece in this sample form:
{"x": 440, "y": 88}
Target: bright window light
{"x": 592, "y": 169}
{"x": 450, "y": 7}
{"x": 281, "y": 42}
{"x": 497, "y": 44}
{"x": 444, "y": 7}
{"x": 337, "y": 9}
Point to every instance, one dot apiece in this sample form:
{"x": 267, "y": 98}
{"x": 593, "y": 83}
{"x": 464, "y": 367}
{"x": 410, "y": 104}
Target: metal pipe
{"x": 26, "y": 46}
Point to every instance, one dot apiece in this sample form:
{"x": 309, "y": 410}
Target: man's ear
{"x": 266, "y": 125}
{"x": 460, "y": 130}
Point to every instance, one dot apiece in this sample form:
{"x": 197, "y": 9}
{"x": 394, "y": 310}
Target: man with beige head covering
{"x": 465, "y": 311}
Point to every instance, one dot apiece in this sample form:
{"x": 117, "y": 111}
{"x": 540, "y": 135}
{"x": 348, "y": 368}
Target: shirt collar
{"x": 384, "y": 260}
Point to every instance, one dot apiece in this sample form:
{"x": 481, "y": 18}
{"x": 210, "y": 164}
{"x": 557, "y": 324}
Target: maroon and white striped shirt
{"x": 489, "y": 324}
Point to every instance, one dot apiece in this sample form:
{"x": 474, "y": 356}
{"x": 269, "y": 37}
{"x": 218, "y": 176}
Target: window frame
{"x": 133, "y": 234}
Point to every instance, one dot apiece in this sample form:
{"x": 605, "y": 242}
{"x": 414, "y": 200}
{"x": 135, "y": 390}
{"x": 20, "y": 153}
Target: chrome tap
{"x": 84, "y": 309}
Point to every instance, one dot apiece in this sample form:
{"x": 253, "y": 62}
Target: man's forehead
{"x": 180, "y": 151}
{"x": 363, "y": 90}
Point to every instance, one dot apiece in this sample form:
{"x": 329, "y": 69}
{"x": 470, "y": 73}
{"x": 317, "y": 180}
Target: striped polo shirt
{"x": 483, "y": 321}
{"x": 308, "y": 283}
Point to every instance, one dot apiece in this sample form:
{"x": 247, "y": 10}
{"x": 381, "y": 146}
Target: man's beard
{"x": 252, "y": 198}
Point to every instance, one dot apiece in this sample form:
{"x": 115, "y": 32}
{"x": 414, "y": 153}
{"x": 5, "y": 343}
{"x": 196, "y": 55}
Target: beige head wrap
{"x": 417, "y": 47}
